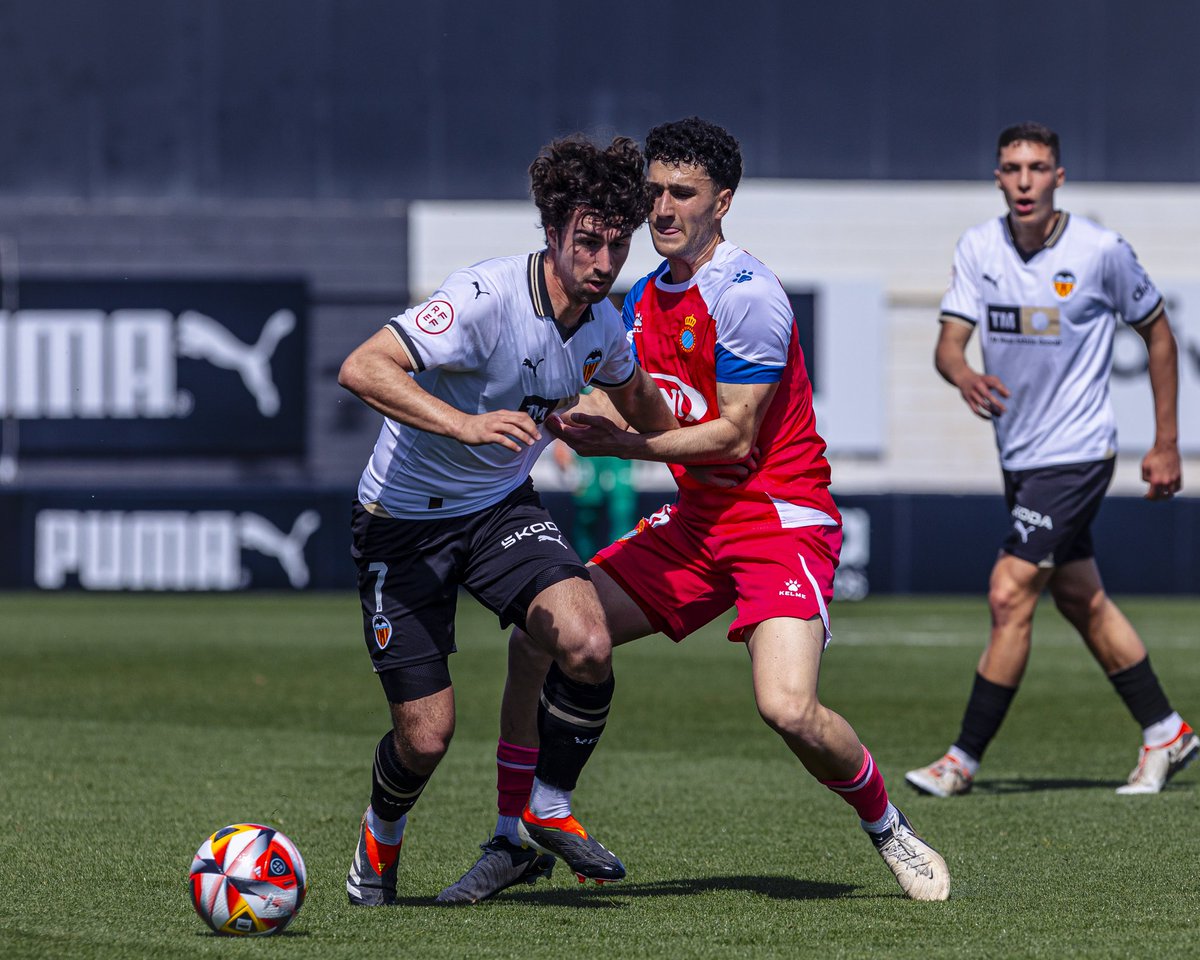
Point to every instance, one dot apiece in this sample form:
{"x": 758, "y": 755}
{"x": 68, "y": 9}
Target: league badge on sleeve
{"x": 437, "y": 316}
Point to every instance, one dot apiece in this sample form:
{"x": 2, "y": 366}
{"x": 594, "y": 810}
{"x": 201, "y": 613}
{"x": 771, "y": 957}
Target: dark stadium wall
{"x": 368, "y": 99}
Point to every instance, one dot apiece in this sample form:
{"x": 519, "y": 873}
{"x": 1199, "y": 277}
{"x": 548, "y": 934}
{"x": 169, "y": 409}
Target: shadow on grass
{"x": 609, "y": 897}
{"x": 1033, "y": 785}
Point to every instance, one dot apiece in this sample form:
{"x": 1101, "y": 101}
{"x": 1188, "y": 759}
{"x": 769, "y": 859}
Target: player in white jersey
{"x": 464, "y": 380}
{"x": 1046, "y": 290}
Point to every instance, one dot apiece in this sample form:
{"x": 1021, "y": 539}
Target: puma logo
{"x": 203, "y": 338}
{"x": 533, "y": 366}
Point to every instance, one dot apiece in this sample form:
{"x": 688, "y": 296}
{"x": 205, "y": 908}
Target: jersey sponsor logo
{"x": 1024, "y": 322}
{"x": 1064, "y": 283}
{"x": 541, "y": 530}
{"x": 532, "y": 365}
{"x": 163, "y": 549}
{"x": 1026, "y": 521}
{"x": 538, "y": 408}
{"x": 1143, "y": 288}
{"x": 591, "y": 364}
{"x": 381, "y": 626}
{"x": 437, "y": 316}
{"x": 687, "y": 335}
{"x": 684, "y": 400}
{"x": 89, "y": 364}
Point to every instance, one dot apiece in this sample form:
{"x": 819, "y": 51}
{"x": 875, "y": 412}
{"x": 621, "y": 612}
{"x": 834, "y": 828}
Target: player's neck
{"x": 1031, "y": 237}
{"x": 567, "y": 312}
{"x": 682, "y": 269}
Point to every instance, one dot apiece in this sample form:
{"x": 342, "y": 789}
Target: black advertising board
{"x": 161, "y": 367}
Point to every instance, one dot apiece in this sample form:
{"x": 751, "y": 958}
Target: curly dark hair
{"x": 573, "y": 172}
{"x": 701, "y": 143}
{"x": 1031, "y": 133}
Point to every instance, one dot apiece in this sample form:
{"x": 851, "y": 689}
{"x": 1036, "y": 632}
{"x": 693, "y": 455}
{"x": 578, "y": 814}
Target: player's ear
{"x": 724, "y": 199}
{"x": 1060, "y": 177}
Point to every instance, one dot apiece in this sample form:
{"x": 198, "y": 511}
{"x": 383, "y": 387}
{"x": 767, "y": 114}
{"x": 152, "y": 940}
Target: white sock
{"x": 970, "y": 764}
{"x": 1161, "y": 733}
{"x": 507, "y": 827}
{"x": 889, "y": 816}
{"x": 386, "y": 831}
{"x": 546, "y": 802}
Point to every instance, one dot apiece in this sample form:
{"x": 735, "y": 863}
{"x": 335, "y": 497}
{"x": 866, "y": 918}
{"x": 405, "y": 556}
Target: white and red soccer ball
{"x": 248, "y": 880}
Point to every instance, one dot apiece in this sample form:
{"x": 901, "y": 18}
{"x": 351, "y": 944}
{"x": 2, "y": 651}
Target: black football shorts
{"x": 1051, "y": 510}
{"x": 410, "y": 572}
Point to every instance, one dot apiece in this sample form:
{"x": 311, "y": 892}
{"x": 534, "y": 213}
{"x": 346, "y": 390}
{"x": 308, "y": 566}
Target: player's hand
{"x": 981, "y": 392}
{"x": 509, "y": 428}
{"x": 588, "y": 435}
{"x": 725, "y": 475}
{"x": 1162, "y": 472}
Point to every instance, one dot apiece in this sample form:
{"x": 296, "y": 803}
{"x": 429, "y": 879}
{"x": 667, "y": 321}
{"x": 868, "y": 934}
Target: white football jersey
{"x": 487, "y": 340}
{"x": 1047, "y": 324}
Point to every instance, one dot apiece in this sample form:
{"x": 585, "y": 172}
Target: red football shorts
{"x": 684, "y": 575}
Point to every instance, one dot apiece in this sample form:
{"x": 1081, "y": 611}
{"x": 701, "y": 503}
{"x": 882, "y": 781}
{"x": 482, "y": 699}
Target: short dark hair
{"x": 1031, "y": 133}
{"x": 573, "y": 172}
{"x": 701, "y": 143}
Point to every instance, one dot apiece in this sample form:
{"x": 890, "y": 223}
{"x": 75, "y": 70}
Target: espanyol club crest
{"x": 591, "y": 364}
{"x": 382, "y": 628}
{"x": 687, "y": 335}
{"x": 1064, "y": 283}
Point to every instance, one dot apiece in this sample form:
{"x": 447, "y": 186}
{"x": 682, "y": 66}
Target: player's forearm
{"x": 1164, "y": 382}
{"x": 717, "y": 441}
{"x": 387, "y": 388}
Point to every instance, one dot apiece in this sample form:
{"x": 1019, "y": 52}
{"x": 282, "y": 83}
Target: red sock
{"x": 514, "y": 777}
{"x": 866, "y": 792}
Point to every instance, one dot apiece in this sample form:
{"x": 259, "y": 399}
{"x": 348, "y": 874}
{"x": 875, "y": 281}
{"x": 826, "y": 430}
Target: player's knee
{"x": 421, "y": 751}
{"x": 585, "y": 653}
{"x": 1079, "y": 606}
{"x": 1007, "y": 599}
{"x": 792, "y": 717}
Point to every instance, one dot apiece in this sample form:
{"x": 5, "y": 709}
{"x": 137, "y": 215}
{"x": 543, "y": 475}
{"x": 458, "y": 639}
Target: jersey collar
{"x": 539, "y": 295}
{"x": 1055, "y": 236}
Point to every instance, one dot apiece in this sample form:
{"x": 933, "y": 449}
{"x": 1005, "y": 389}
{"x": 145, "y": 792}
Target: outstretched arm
{"x": 729, "y": 438}
{"x": 378, "y": 373}
{"x": 979, "y": 390}
{"x": 1161, "y": 468}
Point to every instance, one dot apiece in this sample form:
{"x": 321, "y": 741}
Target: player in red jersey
{"x": 714, "y": 328}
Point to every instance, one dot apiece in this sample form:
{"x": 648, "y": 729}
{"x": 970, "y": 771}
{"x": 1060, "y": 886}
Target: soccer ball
{"x": 248, "y": 880}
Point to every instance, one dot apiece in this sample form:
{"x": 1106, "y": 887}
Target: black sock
{"x": 1142, "y": 693}
{"x": 985, "y": 712}
{"x": 571, "y": 717}
{"x": 394, "y": 788}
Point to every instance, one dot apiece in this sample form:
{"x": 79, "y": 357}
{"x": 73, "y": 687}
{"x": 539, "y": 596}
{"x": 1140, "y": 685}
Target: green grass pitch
{"x": 132, "y": 726}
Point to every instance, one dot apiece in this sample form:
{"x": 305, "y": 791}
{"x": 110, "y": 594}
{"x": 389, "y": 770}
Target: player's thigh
{"x": 1052, "y": 510}
{"x": 785, "y": 654}
{"x": 664, "y": 569}
{"x": 517, "y": 554}
{"x": 626, "y": 620}
{"x": 408, "y": 573}
{"x": 780, "y": 573}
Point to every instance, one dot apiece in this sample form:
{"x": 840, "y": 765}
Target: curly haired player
{"x": 464, "y": 381}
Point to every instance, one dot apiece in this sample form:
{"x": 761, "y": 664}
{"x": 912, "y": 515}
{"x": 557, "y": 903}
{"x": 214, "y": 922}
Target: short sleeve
{"x": 755, "y": 327}
{"x": 1133, "y": 293}
{"x": 455, "y": 328}
{"x": 962, "y": 299}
